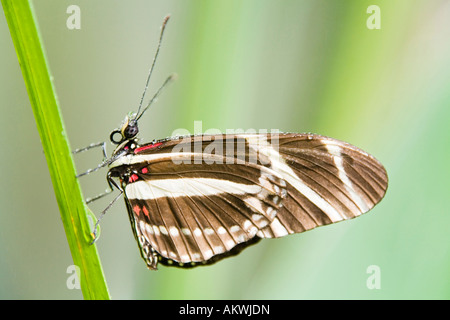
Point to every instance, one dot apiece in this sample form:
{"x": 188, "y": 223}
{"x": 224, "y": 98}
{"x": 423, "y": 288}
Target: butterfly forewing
{"x": 328, "y": 181}
{"x": 194, "y": 200}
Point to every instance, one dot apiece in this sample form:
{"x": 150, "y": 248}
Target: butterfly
{"x": 194, "y": 200}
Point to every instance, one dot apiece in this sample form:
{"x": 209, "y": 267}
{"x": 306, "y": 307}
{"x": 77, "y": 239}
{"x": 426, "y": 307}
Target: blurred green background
{"x": 300, "y": 66}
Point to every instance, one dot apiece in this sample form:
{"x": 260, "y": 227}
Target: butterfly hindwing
{"x": 190, "y": 209}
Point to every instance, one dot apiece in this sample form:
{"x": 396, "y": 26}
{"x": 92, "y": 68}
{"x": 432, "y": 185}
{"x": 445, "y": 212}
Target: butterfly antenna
{"x": 155, "y": 96}
{"x": 153, "y": 63}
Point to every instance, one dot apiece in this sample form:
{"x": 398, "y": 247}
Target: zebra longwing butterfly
{"x": 194, "y": 200}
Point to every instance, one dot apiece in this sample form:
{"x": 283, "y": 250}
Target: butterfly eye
{"x": 131, "y": 130}
{"x": 113, "y": 136}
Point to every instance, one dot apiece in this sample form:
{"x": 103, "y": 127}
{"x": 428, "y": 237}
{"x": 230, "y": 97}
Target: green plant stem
{"x": 26, "y": 38}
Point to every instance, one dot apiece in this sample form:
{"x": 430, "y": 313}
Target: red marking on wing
{"x": 145, "y": 211}
{"x": 136, "y": 210}
{"x": 144, "y": 170}
{"x": 133, "y": 178}
{"x": 150, "y": 146}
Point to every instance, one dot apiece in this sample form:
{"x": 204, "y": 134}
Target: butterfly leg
{"x": 112, "y": 183}
{"x": 104, "y": 163}
{"x": 92, "y": 146}
{"x": 101, "y": 195}
{"x": 94, "y": 232}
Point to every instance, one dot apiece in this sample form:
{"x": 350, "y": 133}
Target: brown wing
{"x": 328, "y": 181}
{"x": 202, "y": 198}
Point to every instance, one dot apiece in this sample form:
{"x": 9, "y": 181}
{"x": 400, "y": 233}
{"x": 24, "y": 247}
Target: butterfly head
{"x": 127, "y": 132}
